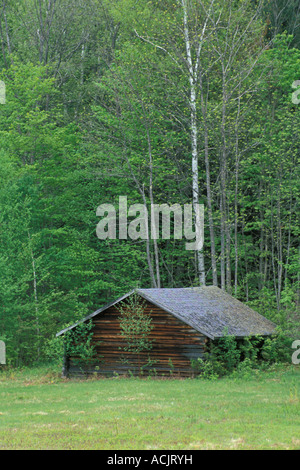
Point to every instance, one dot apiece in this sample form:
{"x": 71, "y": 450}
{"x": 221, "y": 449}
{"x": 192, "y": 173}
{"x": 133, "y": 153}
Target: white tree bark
{"x": 193, "y": 78}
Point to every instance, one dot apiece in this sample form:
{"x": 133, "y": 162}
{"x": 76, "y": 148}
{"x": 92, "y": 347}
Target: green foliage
{"x": 78, "y": 340}
{"x": 65, "y": 415}
{"x": 76, "y": 343}
{"x": 226, "y": 351}
{"x": 79, "y": 345}
{"x": 79, "y": 126}
{"x": 205, "y": 369}
{"x": 54, "y": 350}
{"x": 136, "y": 326}
{"x": 246, "y": 369}
{"x": 277, "y": 349}
{"x": 241, "y": 358}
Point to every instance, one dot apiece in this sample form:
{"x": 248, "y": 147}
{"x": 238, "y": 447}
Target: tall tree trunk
{"x": 3, "y": 44}
{"x": 288, "y": 243}
{"x": 273, "y": 252}
{"x": 208, "y": 184}
{"x": 35, "y": 297}
{"x": 222, "y": 237}
{"x": 193, "y": 75}
{"x": 237, "y": 164}
{"x": 8, "y": 42}
{"x": 153, "y": 229}
{"x": 228, "y": 251}
{"x": 148, "y": 248}
{"x": 279, "y": 245}
{"x": 223, "y": 204}
{"x": 246, "y": 264}
{"x": 151, "y": 197}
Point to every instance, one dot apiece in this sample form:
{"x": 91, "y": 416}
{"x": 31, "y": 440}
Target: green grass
{"x": 39, "y": 410}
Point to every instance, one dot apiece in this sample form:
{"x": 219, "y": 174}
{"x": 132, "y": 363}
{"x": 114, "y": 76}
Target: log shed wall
{"x": 174, "y": 345}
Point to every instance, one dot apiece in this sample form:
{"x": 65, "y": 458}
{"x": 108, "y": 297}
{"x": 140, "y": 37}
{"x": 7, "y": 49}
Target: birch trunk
{"x": 193, "y": 72}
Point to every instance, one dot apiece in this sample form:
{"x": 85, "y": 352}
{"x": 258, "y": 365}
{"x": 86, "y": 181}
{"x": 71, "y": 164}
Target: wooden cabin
{"x": 184, "y": 322}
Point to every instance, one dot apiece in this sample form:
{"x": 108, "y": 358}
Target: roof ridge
{"x": 205, "y": 308}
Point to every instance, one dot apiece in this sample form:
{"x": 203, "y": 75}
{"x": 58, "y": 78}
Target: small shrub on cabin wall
{"x": 78, "y": 345}
{"x": 136, "y": 327}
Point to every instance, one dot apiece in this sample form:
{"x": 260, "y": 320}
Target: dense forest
{"x": 162, "y": 101}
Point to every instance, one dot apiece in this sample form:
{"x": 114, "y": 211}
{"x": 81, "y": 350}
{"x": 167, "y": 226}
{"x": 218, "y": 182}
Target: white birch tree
{"x": 188, "y": 63}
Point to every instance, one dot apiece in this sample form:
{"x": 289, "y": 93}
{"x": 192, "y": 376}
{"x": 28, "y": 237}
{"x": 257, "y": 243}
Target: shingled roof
{"x": 208, "y": 309}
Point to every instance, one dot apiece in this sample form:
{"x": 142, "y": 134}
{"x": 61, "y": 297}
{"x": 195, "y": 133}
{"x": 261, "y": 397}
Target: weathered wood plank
{"x": 174, "y": 345}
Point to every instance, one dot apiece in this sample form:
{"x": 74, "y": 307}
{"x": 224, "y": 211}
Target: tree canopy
{"x": 165, "y": 102}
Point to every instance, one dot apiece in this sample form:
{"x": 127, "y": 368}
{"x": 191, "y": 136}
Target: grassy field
{"x": 39, "y": 410}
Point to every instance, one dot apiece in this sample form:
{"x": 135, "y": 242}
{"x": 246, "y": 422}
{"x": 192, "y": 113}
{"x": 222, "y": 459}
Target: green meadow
{"x": 40, "y": 410}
